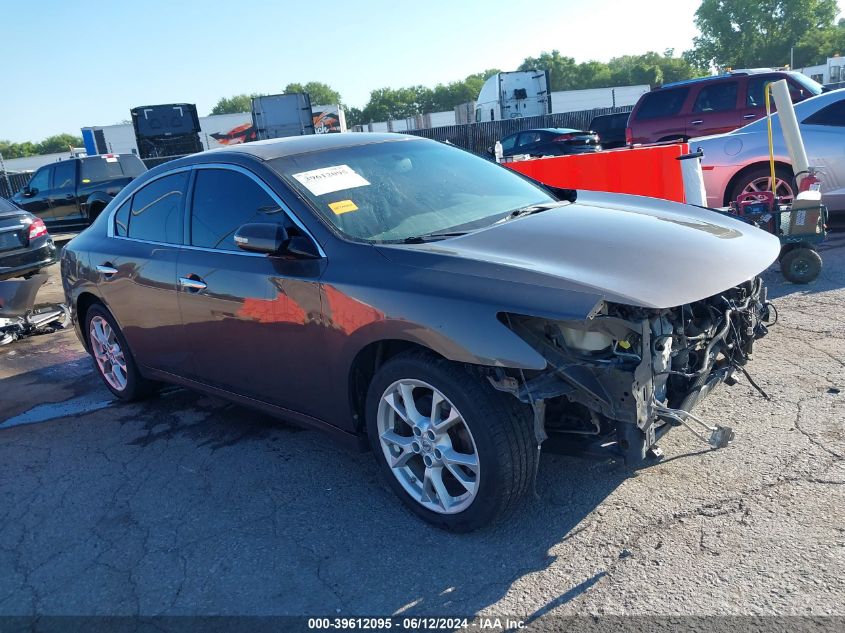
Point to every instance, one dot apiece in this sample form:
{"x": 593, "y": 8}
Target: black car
{"x": 69, "y": 194}
{"x": 25, "y": 245}
{"x": 551, "y": 141}
{"x": 397, "y": 290}
{"x": 611, "y": 129}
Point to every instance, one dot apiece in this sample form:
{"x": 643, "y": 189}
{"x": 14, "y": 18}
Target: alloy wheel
{"x": 783, "y": 189}
{"x": 108, "y": 354}
{"x": 428, "y": 446}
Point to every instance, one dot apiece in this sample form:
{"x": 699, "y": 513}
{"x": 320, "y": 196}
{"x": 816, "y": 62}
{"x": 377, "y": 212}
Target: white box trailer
{"x": 577, "y": 100}
{"x": 514, "y": 95}
{"x": 278, "y": 116}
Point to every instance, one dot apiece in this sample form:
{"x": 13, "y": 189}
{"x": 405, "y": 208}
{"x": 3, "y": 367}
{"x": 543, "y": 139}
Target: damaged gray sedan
{"x": 409, "y": 296}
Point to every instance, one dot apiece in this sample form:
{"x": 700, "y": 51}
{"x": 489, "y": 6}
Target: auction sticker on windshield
{"x": 344, "y": 206}
{"x": 330, "y": 179}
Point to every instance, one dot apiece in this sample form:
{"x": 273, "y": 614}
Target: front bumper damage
{"x": 619, "y": 380}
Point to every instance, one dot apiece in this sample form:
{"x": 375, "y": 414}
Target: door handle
{"x": 698, "y": 122}
{"x": 194, "y": 284}
{"x": 107, "y": 270}
{"x": 750, "y": 116}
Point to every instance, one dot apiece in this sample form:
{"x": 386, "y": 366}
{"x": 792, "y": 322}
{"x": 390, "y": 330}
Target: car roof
{"x": 555, "y": 130}
{"x": 733, "y": 73}
{"x": 280, "y": 147}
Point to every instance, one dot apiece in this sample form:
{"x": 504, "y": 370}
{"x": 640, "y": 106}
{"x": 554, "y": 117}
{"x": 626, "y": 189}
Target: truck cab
{"x": 69, "y": 194}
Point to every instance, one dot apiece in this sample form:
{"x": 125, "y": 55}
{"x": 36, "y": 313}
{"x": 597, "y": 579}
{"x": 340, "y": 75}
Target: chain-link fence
{"x": 479, "y": 138}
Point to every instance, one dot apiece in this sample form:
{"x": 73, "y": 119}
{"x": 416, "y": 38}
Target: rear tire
{"x": 801, "y": 265}
{"x": 759, "y": 178}
{"x": 467, "y": 476}
{"x": 112, "y": 358}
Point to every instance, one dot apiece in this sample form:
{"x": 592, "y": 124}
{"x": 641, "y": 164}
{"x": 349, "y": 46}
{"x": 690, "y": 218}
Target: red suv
{"x": 709, "y": 105}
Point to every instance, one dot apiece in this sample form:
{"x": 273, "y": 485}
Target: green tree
{"x": 817, "y": 45}
{"x": 51, "y": 145}
{"x": 397, "y": 103}
{"x": 17, "y": 150}
{"x": 320, "y": 93}
{"x": 563, "y": 74}
{"x": 235, "y": 104}
{"x": 753, "y": 33}
{"x": 59, "y": 143}
{"x": 354, "y": 116}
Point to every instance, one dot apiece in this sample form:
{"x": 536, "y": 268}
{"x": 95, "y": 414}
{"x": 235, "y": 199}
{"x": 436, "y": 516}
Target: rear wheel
{"x": 759, "y": 179}
{"x": 112, "y": 358}
{"x": 801, "y": 265}
{"x": 457, "y": 452}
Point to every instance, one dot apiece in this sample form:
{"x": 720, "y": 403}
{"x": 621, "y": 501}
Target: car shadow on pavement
{"x": 832, "y": 276}
{"x": 217, "y": 508}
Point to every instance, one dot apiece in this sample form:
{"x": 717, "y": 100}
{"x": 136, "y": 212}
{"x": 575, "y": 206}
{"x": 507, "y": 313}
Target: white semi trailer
{"x": 514, "y": 95}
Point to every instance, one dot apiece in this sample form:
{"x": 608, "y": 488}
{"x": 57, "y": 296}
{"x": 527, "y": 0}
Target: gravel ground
{"x": 188, "y": 505}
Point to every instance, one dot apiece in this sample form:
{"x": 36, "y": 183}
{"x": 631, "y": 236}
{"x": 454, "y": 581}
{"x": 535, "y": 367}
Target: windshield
{"x": 394, "y": 191}
{"x": 803, "y": 110}
{"x": 810, "y": 85}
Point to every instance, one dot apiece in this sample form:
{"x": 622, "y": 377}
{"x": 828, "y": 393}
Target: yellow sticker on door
{"x": 344, "y": 206}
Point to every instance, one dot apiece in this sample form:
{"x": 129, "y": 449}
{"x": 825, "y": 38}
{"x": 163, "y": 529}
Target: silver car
{"x": 738, "y": 161}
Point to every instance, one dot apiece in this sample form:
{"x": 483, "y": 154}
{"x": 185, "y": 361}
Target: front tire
{"x": 457, "y": 452}
{"x": 112, "y": 358}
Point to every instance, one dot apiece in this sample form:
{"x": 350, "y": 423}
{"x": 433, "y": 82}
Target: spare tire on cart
{"x": 800, "y": 264}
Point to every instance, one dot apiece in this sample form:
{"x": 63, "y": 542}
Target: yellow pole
{"x": 768, "y": 90}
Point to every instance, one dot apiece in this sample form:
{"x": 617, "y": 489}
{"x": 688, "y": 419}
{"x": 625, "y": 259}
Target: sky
{"x": 75, "y": 63}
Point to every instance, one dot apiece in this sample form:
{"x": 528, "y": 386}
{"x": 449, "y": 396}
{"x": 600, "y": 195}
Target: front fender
{"x": 460, "y": 331}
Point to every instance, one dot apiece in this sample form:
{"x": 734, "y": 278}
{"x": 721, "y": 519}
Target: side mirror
{"x": 27, "y": 192}
{"x": 273, "y": 239}
{"x": 269, "y": 239}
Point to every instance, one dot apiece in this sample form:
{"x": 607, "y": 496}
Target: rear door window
{"x": 717, "y": 97}
{"x": 832, "y": 115}
{"x": 662, "y": 103}
{"x": 121, "y": 219}
{"x": 223, "y": 201}
{"x": 156, "y": 213}
{"x": 527, "y": 139}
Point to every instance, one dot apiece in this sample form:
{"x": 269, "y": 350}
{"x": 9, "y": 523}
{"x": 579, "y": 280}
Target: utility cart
{"x": 800, "y": 226}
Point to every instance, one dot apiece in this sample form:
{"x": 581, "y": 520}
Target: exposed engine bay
{"x": 626, "y": 375}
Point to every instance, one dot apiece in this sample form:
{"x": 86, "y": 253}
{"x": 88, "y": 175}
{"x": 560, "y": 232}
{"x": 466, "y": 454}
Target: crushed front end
{"x": 624, "y": 376}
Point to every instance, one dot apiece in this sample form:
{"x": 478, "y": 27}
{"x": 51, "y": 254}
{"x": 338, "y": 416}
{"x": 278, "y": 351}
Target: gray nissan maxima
{"x": 405, "y": 294}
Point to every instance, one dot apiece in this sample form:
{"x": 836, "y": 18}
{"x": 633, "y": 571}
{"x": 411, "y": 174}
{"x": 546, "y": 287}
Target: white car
{"x": 738, "y": 161}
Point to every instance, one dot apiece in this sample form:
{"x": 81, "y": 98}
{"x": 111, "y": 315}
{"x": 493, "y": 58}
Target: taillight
{"x": 37, "y": 229}
{"x": 563, "y": 137}
{"x": 629, "y": 135}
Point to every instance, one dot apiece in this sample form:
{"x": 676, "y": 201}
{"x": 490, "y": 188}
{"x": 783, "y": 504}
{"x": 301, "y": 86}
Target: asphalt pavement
{"x": 184, "y": 504}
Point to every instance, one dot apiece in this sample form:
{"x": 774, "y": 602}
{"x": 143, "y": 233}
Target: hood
{"x": 625, "y": 249}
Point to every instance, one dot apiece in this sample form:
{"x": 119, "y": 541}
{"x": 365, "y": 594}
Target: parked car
{"x": 552, "y": 141}
{"x": 738, "y": 162}
{"x": 25, "y": 245}
{"x": 709, "y": 105}
{"x": 71, "y": 193}
{"x": 610, "y": 129}
{"x": 394, "y": 289}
